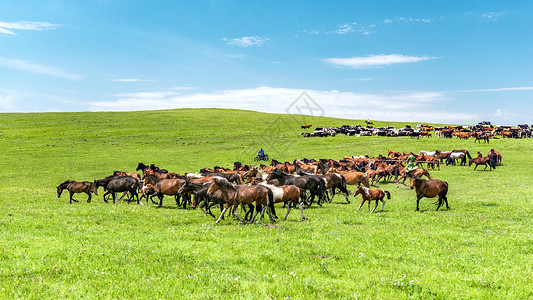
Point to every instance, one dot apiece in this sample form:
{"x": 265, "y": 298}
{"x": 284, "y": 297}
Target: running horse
{"x": 243, "y": 194}
{"x": 371, "y": 195}
{"x": 73, "y": 187}
{"x": 430, "y": 189}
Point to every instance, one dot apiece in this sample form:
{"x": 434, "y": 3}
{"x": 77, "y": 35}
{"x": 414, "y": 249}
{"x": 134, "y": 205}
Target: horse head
{"x": 94, "y": 188}
{"x": 59, "y": 191}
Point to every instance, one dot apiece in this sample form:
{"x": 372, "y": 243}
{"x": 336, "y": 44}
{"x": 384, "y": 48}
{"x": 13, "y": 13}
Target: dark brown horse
{"x": 497, "y": 156}
{"x": 430, "y": 189}
{"x": 243, "y": 194}
{"x": 73, "y": 187}
{"x": 371, "y": 195}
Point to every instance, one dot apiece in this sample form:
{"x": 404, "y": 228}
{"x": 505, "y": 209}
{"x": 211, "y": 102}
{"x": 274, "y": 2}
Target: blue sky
{"x": 421, "y": 61}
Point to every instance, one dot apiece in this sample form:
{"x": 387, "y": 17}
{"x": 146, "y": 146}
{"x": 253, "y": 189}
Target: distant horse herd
{"x": 478, "y": 133}
{"x": 296, "y": 184}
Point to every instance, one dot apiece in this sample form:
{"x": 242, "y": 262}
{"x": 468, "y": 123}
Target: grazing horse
{"x": 370, "y": 195}
{"x": 430, "y": 188}
{"x": 284, "y": 194}
{"x": 86, "y": 187}
{"x": 243, "y": 194}
{"x": 487, "y": 161}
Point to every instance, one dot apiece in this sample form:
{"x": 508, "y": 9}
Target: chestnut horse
{"x": 86, "y": 187}
{"x": 430, "y": 188}
{"x": 371, "y": 195}
{"x": 486, "y": 161}
{"x": 243, "y": 194}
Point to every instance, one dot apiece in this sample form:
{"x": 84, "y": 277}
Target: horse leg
{"x": 71, "y": 199}
{"x": 418, "y": 202}
{"x": 88, "y": 199}
{"x": 382, "y": 200}
{"x": 301, "y": 210}
{"x": 369, "y": 205}
{"x": 222, "y": 214}
{"x": 377, "y": 202}
{"x": 446, "y": 201}
{"x": 360, "y": 205}
{"x": 160, "y": 196}
{"x": 440, "y": 203}
{"x": 236, "y": 212}
{"x": 106, "y": 194}
{"x": 288, "y": 211}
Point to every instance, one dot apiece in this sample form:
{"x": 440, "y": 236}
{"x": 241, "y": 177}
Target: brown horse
{"x": 164, "y": 187}
{"x": 352, "y": 177}
{"x": 243, "y": 194}
{"x": 430, "y": 189}
{"x": 371, "y": 195}
{"x": 284, "y": 194}
{"x": 134, "y": 175}
{"x": 73, "y": 187}
{"x": 487, "y": 161}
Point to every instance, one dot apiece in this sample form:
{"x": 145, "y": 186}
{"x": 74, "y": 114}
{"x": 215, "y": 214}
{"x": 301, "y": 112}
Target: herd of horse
{"x": 296, "y": 184}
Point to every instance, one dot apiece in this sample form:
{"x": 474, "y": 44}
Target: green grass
{"x": 482, "y": 248}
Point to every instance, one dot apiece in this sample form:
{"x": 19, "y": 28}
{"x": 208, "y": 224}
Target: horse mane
{"x": 225, "y": 184}
{"x": 65, "y": 183}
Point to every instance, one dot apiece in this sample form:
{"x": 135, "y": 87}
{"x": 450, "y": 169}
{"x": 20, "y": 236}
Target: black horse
{"x": 119, "y": 184}
{"x": 313, "y": 183}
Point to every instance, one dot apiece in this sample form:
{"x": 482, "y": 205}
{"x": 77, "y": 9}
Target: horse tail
{"x": 343, "y": 188}
{"x": 468, "y": 154}
{"x": 387, "y": 193}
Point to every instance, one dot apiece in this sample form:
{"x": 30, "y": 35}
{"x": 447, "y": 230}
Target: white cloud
{"x": 408, "y": 20}
{"x": 399, "y": 106}
{"x": 7, "y": 28}
{"x": 131, "y": 80}
{"x": 493, "y": 16}
{"x": 374, "y": 61}
{"x": 27, "y": 66}
{"x": 247, "y": 41}
{"x": 521, "y": 88}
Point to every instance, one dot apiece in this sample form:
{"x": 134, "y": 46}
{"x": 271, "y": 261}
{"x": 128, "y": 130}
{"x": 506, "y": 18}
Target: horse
{"x": 370, "y": 195}
{"x": 442, "y": 155}
{"x": 335, "y": 181}
{"x": 134, "y": 175}
{"x": 73, "y": 187}
{"x": 201, "y": 198}
{"x": 497, "y": 156}
{"x": 306, "y": 126}
{"x": 114, "y": 184}
{"x": 169, "y": 187}
{"x": 243, "y": 194}
{"x": 284, "y": 194}
{"x": 454, "y": 156}
{"x": 430, "y": 189}
{"x": 353, "y": 177}
{"x": 487, "y": 161}
{"x": 313, "y": 183}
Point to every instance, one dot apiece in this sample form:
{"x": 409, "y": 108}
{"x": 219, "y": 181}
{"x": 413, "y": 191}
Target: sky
{"x": 440, "y": 61}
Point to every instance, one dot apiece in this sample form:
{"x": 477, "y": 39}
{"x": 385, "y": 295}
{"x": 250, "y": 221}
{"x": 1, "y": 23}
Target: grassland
{"x": 481, "y": 248}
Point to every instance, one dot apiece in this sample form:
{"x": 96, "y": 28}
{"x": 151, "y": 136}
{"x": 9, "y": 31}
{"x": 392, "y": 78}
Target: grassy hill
{"x": 482, "y": 248}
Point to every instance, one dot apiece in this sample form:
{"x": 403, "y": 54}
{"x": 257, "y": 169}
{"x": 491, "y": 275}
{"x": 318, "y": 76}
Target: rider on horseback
{"x": 411, "y": 165}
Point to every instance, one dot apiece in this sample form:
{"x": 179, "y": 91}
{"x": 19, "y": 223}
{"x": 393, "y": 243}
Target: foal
{"x": 370, "y": 195}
